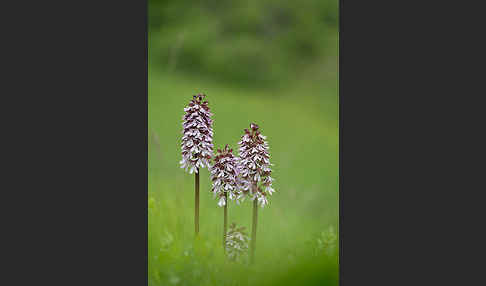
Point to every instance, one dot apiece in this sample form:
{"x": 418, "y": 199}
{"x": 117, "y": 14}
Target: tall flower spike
{"x": 255, "y": 166}
{"x": 197, "y": 139}
{"x": 224, "y": 175}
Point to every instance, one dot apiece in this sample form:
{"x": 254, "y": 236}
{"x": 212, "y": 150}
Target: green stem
{"x": 253, "y": 230}
{"x": 196, "y": 208}
{"x": 225, "y": 224}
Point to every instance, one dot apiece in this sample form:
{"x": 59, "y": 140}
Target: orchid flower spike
{"x": 197, "y": 139}
{"x": 224, "y": 175}
{"x": 236, "y": 243}
{"x": 254, "y": 166}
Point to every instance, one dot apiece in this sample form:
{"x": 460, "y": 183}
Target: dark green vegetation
{"x": 250, "y": 42}
{"x": 269, "y": 62}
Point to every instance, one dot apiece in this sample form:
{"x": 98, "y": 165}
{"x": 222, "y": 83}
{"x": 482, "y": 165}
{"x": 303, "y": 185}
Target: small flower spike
{"x": 255, "y": 165}
{"x": 236, "y": 242}
{"x": 224, "y": 175}
{"x": 197, "y": 139}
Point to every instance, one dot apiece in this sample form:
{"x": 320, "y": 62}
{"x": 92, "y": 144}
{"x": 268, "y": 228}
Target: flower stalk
{"x": 254, "y": 231}
{"x": 255, "y": 171}
{"x": 197, "y": 144}
{"x": 224, "y": 175}
{"x": 196, "y": 202}
{"x": 225, "y": 222}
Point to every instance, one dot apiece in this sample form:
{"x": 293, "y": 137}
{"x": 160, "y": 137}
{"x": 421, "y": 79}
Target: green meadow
{"x": 290, "y": 89}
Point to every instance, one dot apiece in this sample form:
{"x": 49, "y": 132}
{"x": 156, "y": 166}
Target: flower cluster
{"x": 224, "y": 175}
{"x": 255, "y": 165}
{"x": 197, "y": 141}
{"x": 236, "y": 242}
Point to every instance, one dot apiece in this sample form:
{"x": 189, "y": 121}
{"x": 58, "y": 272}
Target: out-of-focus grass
{"x": 300, "y": 121}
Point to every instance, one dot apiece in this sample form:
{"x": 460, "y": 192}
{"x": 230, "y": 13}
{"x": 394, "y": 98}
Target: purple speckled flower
{"x": 197, "y": 139}
{"x": 254, "y": 165}
{"x": 224, "y": 175}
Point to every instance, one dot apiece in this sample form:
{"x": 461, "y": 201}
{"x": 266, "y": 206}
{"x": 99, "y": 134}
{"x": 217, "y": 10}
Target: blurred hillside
{"x": 249, "y": 43}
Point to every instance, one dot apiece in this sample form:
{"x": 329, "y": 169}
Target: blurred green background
{"x": 274, "y": 63}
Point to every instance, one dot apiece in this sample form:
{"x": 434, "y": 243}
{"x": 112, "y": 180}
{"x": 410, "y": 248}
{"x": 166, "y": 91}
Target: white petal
{"x": 221, "y": 202}
{"x": 270, "y": 190}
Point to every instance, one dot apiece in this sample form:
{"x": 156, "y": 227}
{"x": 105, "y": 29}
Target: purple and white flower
{"x": 236, "y": 243}
{"x": 254, "y": 166}
{"x": 197, "y": 139}
{"x": 224, "y": 175}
